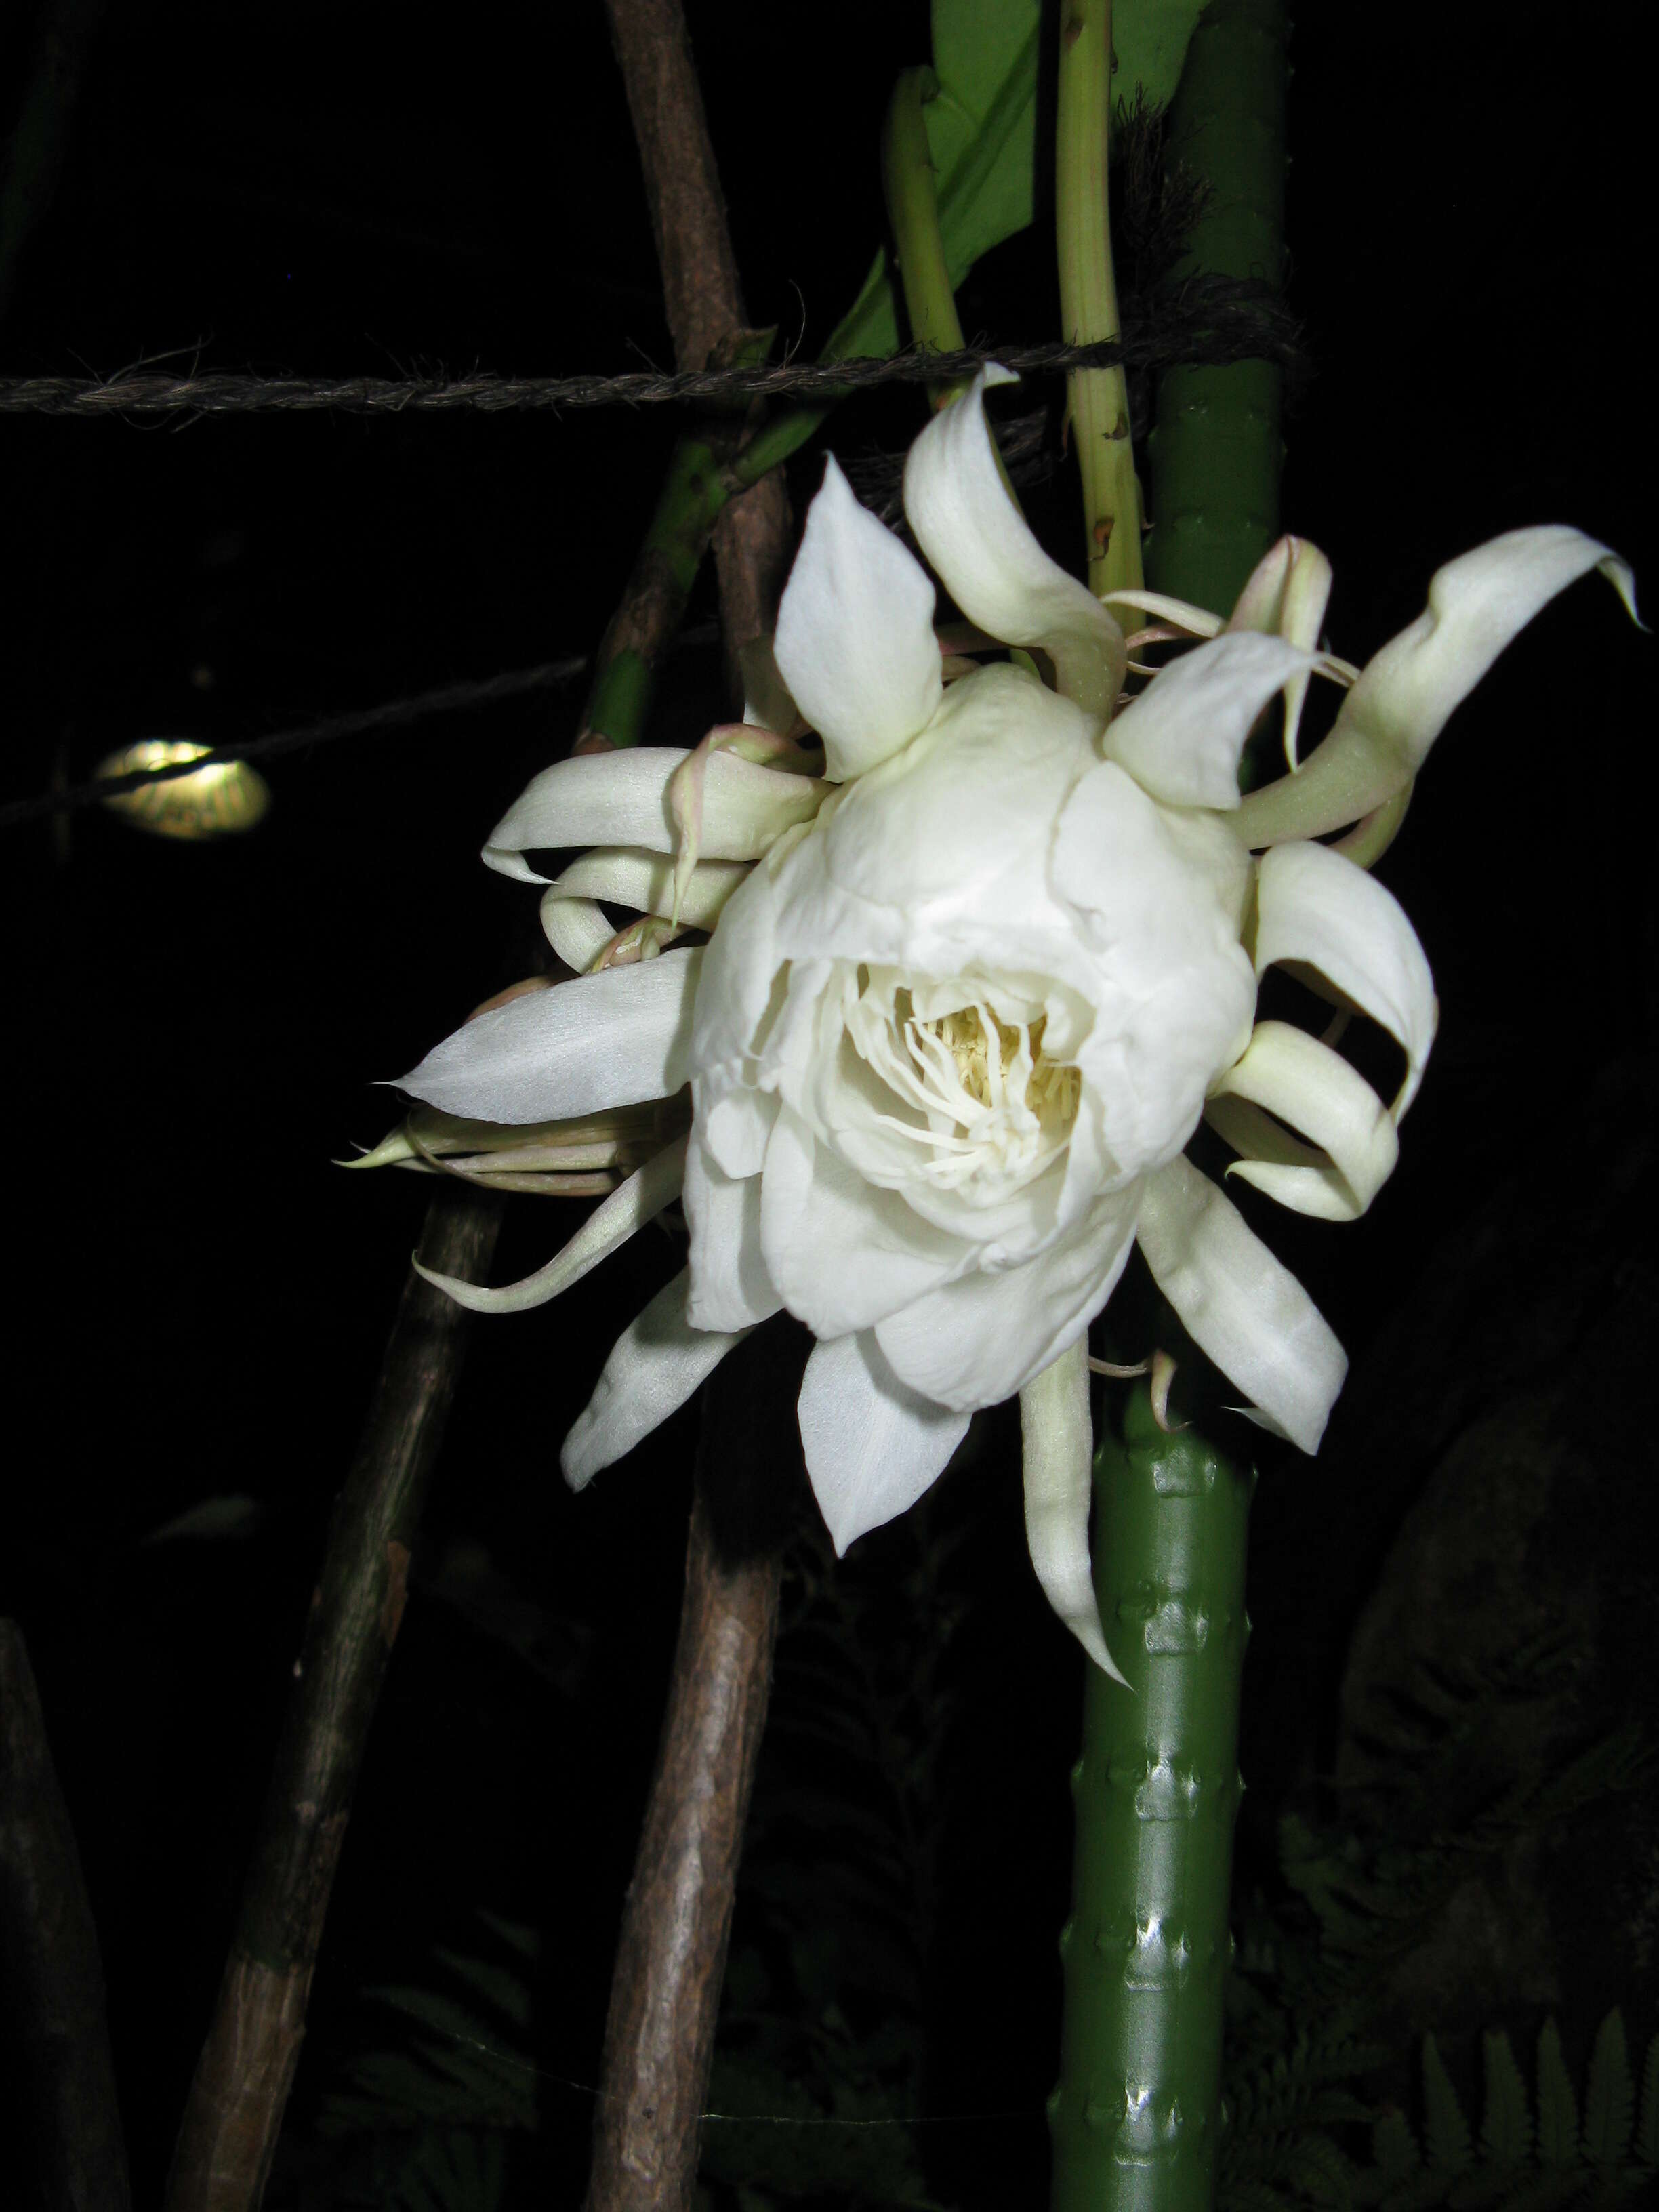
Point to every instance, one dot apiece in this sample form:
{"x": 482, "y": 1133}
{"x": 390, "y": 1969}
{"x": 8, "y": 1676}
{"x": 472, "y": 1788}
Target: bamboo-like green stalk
{"x": 907, "y": 177}
{"x": 1099, "y": 397}
{"x": 1215, "y": 454}
{"x": 1135, "y": 2117}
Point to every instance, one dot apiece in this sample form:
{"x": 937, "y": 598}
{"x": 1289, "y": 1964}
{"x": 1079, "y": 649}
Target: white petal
{"x": 872, "y": 1446}
{"x": 655, "y": 1364}
{"x": 1180, "y": 739}
{"x": 1287, "y": 595}
{"x": 1407, "y": 692}
{"x": 1315, "y": 905}
{"x": 607, "y": 1039}
{"x": 1249, "y": 1314}
{"x": 1307, "y": 1085}
{"x": 842, "y": 1253}
{"x": 975, "y": 1342}
{"x": 730, "y": 1286}
{"x": 982, "y": 549}
{"x": 629, "y": 1207}
{"x": 624, "y": 875}
{"x": 1057, "y": 1443}
{"x": 854, "y": 640}
{"x": 622, "y": 799}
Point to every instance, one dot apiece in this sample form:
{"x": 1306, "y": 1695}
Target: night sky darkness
{"x": 199, "y": 1297}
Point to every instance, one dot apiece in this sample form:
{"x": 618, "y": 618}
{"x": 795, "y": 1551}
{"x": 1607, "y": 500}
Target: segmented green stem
{"x": 908, "y": 182}
{"x": 1215, "y": 456}
{"x": 1135, "y": 2117}
{"x": 1098, "y": 397}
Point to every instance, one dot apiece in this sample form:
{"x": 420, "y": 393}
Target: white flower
{"x": 968, "y": 995}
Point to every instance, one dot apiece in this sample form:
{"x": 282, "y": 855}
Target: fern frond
{"x": 1506, "y": 2122}
{"x": 1609, "y": 2095}
{"x": 1558, "y": 2107}
{"x": 1451, "y": 2149}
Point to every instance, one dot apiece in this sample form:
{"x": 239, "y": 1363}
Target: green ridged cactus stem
{"x": 1135, "y": 2118}
{"x": 1216, "y": 454}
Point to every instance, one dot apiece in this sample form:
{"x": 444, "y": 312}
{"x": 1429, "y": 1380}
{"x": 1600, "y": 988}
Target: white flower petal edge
{"x": 1182, "y": 738}
{"x": 655, "y": 1364}
{"x": 873, "y": 1444}
{"x": 1287, "y": 595}
{"x": 990, "y": 563}
{"x": 1407, "y": 692}
{"x": 1306, "y": 1085}
{"x": 612, "y": 1039}
{"x": 1316, "y": 906}
{"x": 1057, "y": 1447}
{"x": 1248, "y": 1313}
{"x": 855, "y": 640}
{"x": 579, "y": 930}
{"x": 629, "y": 1207}
{"x": 622, "y": 798}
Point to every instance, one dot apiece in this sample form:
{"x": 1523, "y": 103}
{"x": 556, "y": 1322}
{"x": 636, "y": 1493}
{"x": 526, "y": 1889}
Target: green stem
{"x": 908, "y": 179}
{"x": 1216, "y": 454}
{"x": 1135, "y": 2117}
{"x": 1099, "y": 397}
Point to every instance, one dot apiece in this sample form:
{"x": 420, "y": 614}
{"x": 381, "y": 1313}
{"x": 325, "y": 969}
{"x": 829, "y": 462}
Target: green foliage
{"x": 424, "y": 2121}
{"x": 1308, "y": 1980}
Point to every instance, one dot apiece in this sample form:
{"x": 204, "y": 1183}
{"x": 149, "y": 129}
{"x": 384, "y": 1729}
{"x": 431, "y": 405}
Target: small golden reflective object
{"x": 221, "y": 801}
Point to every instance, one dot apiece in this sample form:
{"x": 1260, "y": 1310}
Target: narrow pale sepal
{"x": 1294, "y": 1076}
{"x": 1287, "y": 595}
{"x": 611, "y": 1039}
{"x": 1182, "y": 738}
{"x": 1057, "y": 1442}
{"x": 855, "y": 640}
{"x": 873, "y": 1445}
{"x": 579, "y": 930}
{"x": 1318, "y": 908}
{"x": 621, "y": 798}
{"x": 611, "y": 1224}
{"x": 655, "y": 1364}
{"x": 982, "y": 550}
{"x": 1407, "y": 692}
{"x": 1248, "y": 1313}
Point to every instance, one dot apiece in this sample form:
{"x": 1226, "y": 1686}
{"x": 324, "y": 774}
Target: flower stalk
{"x": 1098, "y": 397}
{"x": 907, "y": 180}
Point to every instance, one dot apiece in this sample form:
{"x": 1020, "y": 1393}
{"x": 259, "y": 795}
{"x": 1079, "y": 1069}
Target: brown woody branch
{"x": 62, "y": 2132}
{"x": 670, "y": 1955}
{"x": 233, "y": 2113}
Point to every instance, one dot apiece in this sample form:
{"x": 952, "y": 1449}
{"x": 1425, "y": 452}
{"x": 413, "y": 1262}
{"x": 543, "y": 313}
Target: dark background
{"x": 198, "y": 1297}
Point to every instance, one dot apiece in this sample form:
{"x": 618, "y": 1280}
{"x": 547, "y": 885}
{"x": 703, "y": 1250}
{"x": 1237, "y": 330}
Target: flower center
{"x": 974, "y": 1094}
{"x": 1014, "y": 1070}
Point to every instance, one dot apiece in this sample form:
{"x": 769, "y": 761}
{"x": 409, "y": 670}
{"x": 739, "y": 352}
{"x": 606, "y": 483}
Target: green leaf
{"x": 1647, "y": 2135}
{"x": 1505, "y": 2124}
{"x": 1445, "y": 2127}
{"x": 1610, "y": 2095}
{"x": 981, "y": 129}
{"x": 1394, "y": 2146}
{"x": 1558, "y": 2108}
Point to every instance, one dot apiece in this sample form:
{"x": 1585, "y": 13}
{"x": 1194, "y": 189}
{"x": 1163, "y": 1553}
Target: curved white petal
{"x": 1315, "y": 906}
{"x": 1057, "y": 1447}
{"x": 1407, "y": 691}
{"x": 612, "y": 1223}
{"x": 842, "y": 1253}
{"x": 654, "y": 1365}
{"x": 982, "y": 549}
{"x": 1248, "y": 1313}
{"x": 1304, "y": 1083}
{"x": 872, "y": 1446}
{"x": 855, "y": 640}
{"x": 611, "y": 1039}
{"x": 624, "y": 875}
{"x": 1287, "y": 595}
{"x": 1180, "y": 739}
{"x": 622, "y": 799}
{"x": 730, "y": 1286}
{"x": 1179, "y": 614}
{"x": 975, "y": 1342}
